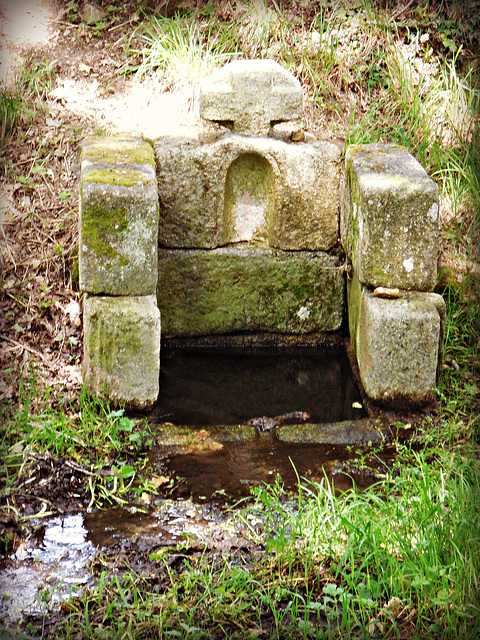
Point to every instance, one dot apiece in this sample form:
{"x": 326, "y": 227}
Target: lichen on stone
{"x": 117, "y": 150}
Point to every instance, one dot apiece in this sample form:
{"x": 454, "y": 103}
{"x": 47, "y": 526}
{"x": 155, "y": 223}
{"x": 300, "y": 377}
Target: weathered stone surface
{"x": 398, "y": 343}
{"x": 346, "y": 433}
{"x": 240, "y": 189}
{"x": 251, "y": 95}
{"x": 364, "y": 432}
{"x": 185, "y": 435}
{"x": 248, "y": 289}
{"x": 389, "y": 218}
{"x": 122, "y": 349}
{"x": 124, "y": 151}
{"x": 118, "y": 217}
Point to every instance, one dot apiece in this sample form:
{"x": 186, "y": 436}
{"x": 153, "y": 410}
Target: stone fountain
{"x": 257, "y": 233}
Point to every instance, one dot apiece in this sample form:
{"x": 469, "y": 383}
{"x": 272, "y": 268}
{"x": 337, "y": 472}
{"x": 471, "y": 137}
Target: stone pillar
{"x": 389, "y": 229}
{"x": 118, "y": 262}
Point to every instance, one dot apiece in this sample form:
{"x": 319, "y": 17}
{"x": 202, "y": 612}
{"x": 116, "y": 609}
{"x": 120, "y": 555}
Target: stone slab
{"x": 251, "y": 96}
{"x": 233, "y": 289}
{"x": 122, "y": 349}
{"x": 364, "y": 432}
{"x": 118, "y": 225}
{"x": 172, "y": 435}
{"x": 398, "y": 343}
{"x": 236, "y": 189}
{"x": 389, "y": 218}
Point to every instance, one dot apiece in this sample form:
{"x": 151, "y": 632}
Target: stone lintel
{"x": 202, "y": 292}
{"x": 251, "y": 95}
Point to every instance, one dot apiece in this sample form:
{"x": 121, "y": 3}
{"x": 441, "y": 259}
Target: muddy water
{"x": 42, "y": 574}
{"x": 227, "y": 473}
{"x": 229, "y": 388}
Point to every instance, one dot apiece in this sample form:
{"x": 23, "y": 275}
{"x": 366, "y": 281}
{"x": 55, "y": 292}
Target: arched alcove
{"x": 249, "y": 198}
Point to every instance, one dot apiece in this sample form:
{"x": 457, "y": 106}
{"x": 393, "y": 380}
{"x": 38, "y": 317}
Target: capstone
{"x": 250, "y": 96}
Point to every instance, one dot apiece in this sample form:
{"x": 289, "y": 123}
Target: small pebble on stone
{"x": 385, "y": 292}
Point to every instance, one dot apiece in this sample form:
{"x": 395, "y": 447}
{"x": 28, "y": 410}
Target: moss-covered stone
{"x": 99, "y": 225}
{"x": 115, "y": 176}
{"x": 248, "y": 289}
{"x": 364, "y": 432}
{"x": 121, "y": 150}
{"x": 118, "y": 219}
{"x": 122, "y": 349}
{"x": 249, "y": 198}
{"x": 398, "y": 343}
{"x": 389, "y": 220}
{"x": 171, "y": 435}
{"x": 354, "y": 299}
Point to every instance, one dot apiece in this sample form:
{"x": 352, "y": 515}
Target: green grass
{"x": 26, "y": 96}
{"x": 9, "y": 114}
{"x": 399, "y": 560}
{"x": 415, "y": 538}
{"x": 181, "y": 52}
{"x": 110, "y": 446}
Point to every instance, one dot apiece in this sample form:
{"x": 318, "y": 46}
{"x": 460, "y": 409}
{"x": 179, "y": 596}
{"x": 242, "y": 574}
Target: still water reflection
{"x": 230, "y": 388}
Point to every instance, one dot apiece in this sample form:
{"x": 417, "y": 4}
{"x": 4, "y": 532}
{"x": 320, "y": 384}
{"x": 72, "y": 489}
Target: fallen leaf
{"x": 53, "y": 122}
{"x": 394, "y": 605}
{"x": 71, "y": 373}
{"x": 202, "y": 435}
{"x": 72, "y": 309}
{"x": 6, "y": 391}
{"x": 16, "y": 449}
{"x": 159, "y": 481}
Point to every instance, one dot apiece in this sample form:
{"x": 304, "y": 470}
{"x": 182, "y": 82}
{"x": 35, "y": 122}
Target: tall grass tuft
{"x": 182, "y": 52}
{"x": 9, "y": 115}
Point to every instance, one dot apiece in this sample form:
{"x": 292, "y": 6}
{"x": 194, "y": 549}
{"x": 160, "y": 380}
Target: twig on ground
{"x": 30, "y": 350}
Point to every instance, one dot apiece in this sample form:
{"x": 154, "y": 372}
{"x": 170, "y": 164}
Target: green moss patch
{"x": 118, "y": 150}
{"x": 118, "y": 177}
{"x": 99, "y": 227}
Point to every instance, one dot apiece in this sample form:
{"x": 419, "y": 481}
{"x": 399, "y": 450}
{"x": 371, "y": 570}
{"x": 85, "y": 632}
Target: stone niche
{"x": 245, "y": 231}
